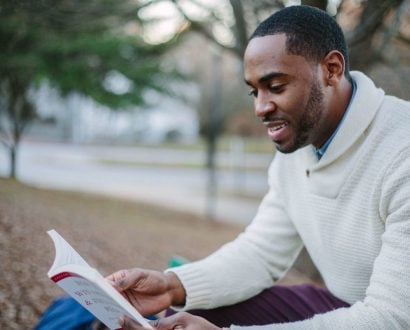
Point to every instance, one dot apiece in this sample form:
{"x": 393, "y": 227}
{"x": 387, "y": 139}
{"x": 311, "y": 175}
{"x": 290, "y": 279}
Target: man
{"x": 339, "y": 185}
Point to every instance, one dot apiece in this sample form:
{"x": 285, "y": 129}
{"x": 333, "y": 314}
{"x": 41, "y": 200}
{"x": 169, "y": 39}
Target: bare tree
{"x": 240, "y": 18}
{"x": 373, "y": 22}
{"x": 322, "y": 4}
{"x": 243, "y": 17}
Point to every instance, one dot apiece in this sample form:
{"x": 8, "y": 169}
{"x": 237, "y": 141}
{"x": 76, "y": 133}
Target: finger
{"x": 113, "y": 284}
{"x": 116, "y": 277}
{"x": 126, "y": 278}
{"x": 133, "y": 301}
{"x": 129, "y": 324}
{"x": 169, "y": 323}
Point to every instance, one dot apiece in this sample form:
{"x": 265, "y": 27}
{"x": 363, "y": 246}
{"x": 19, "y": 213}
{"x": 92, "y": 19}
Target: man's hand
{"x": 149, "y": 291}
{"x": 179, "y": 321}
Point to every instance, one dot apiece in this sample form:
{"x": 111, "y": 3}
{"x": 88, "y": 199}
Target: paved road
{"x": 148, "y": 174}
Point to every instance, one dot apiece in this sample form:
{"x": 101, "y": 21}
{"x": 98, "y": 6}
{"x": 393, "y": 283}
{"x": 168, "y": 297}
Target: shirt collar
{"x": 321, "y": 151}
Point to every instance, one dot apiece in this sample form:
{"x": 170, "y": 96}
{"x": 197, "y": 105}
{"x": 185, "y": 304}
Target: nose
{"x": 263, "y": 104}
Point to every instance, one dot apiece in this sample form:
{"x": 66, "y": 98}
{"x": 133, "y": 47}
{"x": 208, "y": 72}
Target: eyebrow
{"x": 267, "y": 77}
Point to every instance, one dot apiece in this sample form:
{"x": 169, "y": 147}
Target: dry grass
{"x": 109, "y": 233}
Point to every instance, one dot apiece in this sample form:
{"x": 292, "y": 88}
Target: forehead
{"x": 268, "y": 54}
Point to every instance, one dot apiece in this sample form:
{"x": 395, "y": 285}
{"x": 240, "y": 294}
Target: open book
{"x": 86, "y": 285}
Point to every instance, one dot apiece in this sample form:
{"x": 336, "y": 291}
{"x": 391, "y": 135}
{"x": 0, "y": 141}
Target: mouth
{"x": 277, "y": 129}
{"x": 277, "y": 126}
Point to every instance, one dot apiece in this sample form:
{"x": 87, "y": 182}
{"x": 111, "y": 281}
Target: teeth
{"x": 275, "y": 128}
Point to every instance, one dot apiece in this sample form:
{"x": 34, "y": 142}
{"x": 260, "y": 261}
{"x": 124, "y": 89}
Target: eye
{"x": 276, "y": 88}
{"x": 253, "y": 92}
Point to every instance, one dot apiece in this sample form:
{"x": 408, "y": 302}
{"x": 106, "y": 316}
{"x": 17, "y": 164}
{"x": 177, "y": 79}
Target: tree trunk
{"x": 16, "y": 113}
{"x": 322, "y": 4}
{"x": 240, "y": 26}
{"x": 213, "y": 133}
{"x": 13, "y": 161}
{"x": 362, "y": 52}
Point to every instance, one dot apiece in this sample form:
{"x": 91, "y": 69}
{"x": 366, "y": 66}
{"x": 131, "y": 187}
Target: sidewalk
{"x": 151, "y": 175}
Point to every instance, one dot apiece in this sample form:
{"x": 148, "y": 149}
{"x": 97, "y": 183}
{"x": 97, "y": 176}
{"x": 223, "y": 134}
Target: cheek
{"x": 294, "y": 104}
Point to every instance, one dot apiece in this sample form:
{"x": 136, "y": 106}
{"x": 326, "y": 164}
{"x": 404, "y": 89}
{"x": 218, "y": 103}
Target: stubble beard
{"x": 309, "y": 121}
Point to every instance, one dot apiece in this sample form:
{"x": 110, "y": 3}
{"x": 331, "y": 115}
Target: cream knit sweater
{"x": 351, "y": 210}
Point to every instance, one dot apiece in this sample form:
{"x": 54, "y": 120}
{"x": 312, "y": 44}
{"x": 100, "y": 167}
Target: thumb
{"x": 122, "y": 279}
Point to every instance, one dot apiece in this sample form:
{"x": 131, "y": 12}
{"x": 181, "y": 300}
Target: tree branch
{"x": 240, "y": 25}
{"x": 5, "y": 144}
{"x": 403, "y": 38}
{"x": 202, "y": 29}
{"x": 198, "y": 27}
{"x": 372, "y": 18}
{"x": 393, "y": 28}
{"x": 322, "y": 4}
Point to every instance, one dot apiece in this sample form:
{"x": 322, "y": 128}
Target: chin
{"x": 285, "y": 149}
{"x": 289, "y": 147}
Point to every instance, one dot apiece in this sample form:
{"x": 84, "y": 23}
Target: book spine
{"x": 61, "y": 276}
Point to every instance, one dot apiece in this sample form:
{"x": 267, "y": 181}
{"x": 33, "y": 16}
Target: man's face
{"x": 287, "y": 92}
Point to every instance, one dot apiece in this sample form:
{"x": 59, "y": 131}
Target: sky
{"x": 168, "y": 18}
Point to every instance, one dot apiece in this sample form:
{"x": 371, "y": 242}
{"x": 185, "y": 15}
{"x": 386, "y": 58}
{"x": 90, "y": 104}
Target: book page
{"x": 86, "y": 285}
{"x": 65, "y": 254}
{"x": 97, "y": 301}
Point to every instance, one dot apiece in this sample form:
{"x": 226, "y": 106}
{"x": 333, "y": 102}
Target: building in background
{"x": 79, "y": 119}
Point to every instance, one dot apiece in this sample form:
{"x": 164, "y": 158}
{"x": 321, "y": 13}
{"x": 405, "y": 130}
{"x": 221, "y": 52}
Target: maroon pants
{"x": 278, "y": 304}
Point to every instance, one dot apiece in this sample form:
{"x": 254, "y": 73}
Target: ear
{"x": 333, "y": 65}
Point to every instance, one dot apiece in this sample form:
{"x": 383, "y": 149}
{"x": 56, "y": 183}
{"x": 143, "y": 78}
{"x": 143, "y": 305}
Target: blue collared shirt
{"x": 321, "y": 151}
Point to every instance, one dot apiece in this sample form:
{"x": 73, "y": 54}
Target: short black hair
{"x": 310, "y": 32}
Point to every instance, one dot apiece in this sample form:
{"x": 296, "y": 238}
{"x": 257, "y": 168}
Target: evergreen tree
{"x": 75, "y": 46}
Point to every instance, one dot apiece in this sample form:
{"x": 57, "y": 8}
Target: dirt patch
{"x": 109, "y": 233}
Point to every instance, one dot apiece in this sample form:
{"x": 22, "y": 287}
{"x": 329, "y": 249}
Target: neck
{"x": 338, "y": 104}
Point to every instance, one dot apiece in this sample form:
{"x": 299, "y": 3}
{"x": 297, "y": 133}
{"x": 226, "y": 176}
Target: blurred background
{"x": 145, "y": 99}
{"x": 126, "y": 126}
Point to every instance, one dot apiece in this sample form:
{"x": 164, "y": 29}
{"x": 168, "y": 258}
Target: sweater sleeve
{"x": 249, "y": 264}
{"x": 387, "y": 301}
